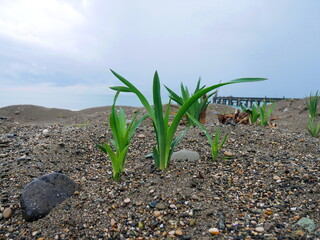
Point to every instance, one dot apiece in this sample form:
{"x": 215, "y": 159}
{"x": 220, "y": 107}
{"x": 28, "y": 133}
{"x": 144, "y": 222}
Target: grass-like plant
{"x": 197, "y": 107}
{"x": 265, "y": 113}
{"x": 312, "y": 105}
{"x": 256, "y": 112}
{"x": 253, "y": 113}
{"x": 122, "y": 134}
{"x": 314, "y": 128}
{"x": 214, "y": 143}
{"x": 313, "y": 124}
{"x": 165, "y": 132}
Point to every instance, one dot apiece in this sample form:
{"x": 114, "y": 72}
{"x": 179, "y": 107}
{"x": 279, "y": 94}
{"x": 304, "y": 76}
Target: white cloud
{"x": 42, "y": 23}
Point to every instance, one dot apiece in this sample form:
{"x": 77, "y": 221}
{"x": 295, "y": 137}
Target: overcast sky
{"x": 58, "y": 53}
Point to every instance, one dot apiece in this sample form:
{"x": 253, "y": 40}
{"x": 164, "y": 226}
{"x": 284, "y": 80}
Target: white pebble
{"x": 214, "y": 231}
{"x": 259, "y": 229}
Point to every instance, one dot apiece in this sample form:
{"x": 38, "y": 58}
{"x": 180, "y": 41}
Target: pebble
{"x": 195, "y": 197}
{"x": 157, "y": 213}
{"x": 228, "y": 154}
{"x": 127, "y": 200}
{"x": 214, "y": 231}
{"x": 275, "y": 177}
{"x": 178, "y": 232}
{"x": 141, "y": 136}
{"x": 268, "y": 212}
{"x": 160, "y": 206}
{"x": 7, "y": 213}
{"x": 172, "y": 206}
{"x": 192, "y": 222}
{"x": 268, "y": 226}
{"x": 185, "y": 155}
{"x": 259, "y": 229}
{"x": 45, "y": 132}
{"x": 41, "y": 195}
{"x": 153, "y": 204}
{"x": 299, "y": 233}
{"x": 307, "y": 224}
{"x": 1, "y": 216}
{"x": 113, "y": 222}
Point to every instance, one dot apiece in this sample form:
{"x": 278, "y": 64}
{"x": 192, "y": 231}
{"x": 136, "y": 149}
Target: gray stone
{"x": 185, "y": 155}
{"x": 160, "y": 206}
{"x": 44, "y": 193}
{"x": 307, "y": 224}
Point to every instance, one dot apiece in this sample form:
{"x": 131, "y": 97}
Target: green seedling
{"x": 312, "y": 105}
{"x": 313, "y": 124}
{"x": 214, "y": 143}
{"x": 265, "y": 113}
{"x": 165, "y": 132}
{"x": 197, "y": 107}
{"x": 253, "y": 113}
{"x": 122, "y": 134}
{"x": 314, "y": 128}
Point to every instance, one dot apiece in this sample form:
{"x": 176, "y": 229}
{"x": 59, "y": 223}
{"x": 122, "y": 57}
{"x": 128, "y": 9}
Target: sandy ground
{"x": 270, "y": 183}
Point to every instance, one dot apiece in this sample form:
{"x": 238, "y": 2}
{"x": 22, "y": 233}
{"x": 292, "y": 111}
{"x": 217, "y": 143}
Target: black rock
{"x": 153, "y": 204}
{"x": 44, "y": 193}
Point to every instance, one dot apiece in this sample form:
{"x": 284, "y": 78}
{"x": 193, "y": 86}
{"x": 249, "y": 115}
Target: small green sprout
{"x": 313, "y": 124}
{"x": 122, "y": 135}
{"x": 197, "y": 107}
{"x": 265, "y": 113}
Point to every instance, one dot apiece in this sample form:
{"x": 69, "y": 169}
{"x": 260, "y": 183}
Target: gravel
{"x": 262, "y": 191}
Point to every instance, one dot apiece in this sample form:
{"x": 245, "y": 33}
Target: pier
{"x": 246, "y": 101}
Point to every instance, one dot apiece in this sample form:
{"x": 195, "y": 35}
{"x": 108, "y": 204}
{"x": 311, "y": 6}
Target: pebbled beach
{"x": 267, "y": 188}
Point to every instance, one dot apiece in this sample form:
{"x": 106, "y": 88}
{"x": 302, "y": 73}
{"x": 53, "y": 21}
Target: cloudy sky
{"x": 58, "y": 53}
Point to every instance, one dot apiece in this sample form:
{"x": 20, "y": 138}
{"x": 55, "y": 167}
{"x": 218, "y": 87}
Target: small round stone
{"x": 113, "y": 222}
{"x": 127, "y": 200}
{"x": 160, "y": 206}
{"x": 157, "y": 213}
{"x": 192, "y": 222}
{"x": 7, "y": 213}
{"x": 275, "y": 177}
{"x": 172, "y": 206}
{"x": 228, "y": 154}
{"x": 259, "y": 229}
{"x": 214, "y": 231}
{"x": 141, "y": 136}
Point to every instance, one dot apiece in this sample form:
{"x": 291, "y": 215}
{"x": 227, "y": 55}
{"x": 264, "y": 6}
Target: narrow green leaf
{"x": 199, "y": 94}
{"x": 133, "y": 89}
{"x": 120, "y": 89}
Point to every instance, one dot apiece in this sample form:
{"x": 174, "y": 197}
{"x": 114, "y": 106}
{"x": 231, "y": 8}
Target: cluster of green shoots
{"x": 122, "y": 134}
{"x": 165, "y": 131}
{"x": 198, "y": 107}
{"x": 313, "y": 122}
{"x": 258, "y": 113}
